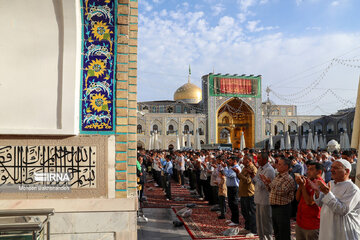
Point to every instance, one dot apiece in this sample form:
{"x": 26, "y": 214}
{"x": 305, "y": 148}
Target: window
{"x": 201, "y": 132}
{"x": 267, "y": 128}
{"x": 224, "y": 133}
{"x": 318, "y": 128}
{"x": 292, "y": 127}
{"x": 161, "y": 109}
{"x": 186, "y": 128}
{"x": 305, "y": 128}
{"x": 178, "y": 109}
{"x": 154, "y": 109}
{"x": 170, "y": 109}
{"x": 186, "y": 110}
{"x": 155, "y": 128}
{"x": 279, "y": 128}
{"x": 139, "y": 128}
{"x": 330, "y": 127}
{"x": 342, "y": 126}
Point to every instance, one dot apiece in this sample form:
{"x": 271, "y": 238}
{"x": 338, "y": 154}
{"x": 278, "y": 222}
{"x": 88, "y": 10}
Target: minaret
{"x": 189, "y": 74}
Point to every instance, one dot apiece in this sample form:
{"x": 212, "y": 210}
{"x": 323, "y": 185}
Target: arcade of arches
{"x": 236, "y": 116}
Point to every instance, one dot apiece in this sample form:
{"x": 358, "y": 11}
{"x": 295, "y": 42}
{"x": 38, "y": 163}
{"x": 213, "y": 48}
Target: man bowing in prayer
{"x": 340, "y": 202}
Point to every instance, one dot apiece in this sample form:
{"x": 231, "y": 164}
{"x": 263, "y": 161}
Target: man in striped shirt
{"x": 281, "y": 190}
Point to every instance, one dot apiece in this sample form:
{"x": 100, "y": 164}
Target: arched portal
{"x": 236, "y": 116}
{"x": 140, "y": 145}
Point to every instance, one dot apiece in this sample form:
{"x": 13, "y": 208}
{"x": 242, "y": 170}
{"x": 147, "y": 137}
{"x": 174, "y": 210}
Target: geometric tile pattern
{"x": 98, "y": 66}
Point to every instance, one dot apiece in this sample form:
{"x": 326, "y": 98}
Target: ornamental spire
{"x": 189, "y": 74}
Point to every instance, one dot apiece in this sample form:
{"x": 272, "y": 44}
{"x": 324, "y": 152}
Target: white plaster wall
{"x": 39, "y": 80}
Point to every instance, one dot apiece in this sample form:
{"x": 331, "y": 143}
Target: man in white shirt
{"x": 340, "y": 205}
{"x": 155, "y": 166}
{"x": 202, "y": 157}
{"x": 261, "y": 198}
{"x": 182, "y": 169}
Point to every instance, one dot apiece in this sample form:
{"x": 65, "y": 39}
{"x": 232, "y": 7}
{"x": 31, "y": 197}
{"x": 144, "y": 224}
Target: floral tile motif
{"x": 98, "y": 66}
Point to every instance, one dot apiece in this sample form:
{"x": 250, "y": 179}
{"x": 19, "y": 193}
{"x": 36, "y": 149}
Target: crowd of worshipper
{"x": 315, "y": 188}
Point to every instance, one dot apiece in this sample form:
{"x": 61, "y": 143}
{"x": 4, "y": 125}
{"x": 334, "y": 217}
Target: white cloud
{"x": 185, "y": 4}
{"x": 163, "y": 13}
{"x": 217, "y": 9}
{"x": 246, "y": 4}
{"x": 167, "y": 45}
{"x": 298, "y": 2}
{"x": 313, "y": 28}
{"x": 335, "y": 3}
{"x": 146, "y": 6}
{"x": 253, "y": 26}
{"x": 241, "y": 17}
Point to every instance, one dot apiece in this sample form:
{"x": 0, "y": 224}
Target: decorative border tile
{"x": 97, "y": 114}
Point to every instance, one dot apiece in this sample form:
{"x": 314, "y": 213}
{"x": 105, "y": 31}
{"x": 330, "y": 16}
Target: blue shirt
{"x": 305, "y": 169}
{"x": 327, "y": 167}
{"x": 168, "y": 168}
{"x": 163, "y": 162}
{"x": 231, "y": 178}
{"x": 297, "y": 168}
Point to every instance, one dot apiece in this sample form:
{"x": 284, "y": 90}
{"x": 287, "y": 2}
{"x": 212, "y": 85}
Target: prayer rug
{"x": 204, "y": 224}
{"x": 156, "y": 197}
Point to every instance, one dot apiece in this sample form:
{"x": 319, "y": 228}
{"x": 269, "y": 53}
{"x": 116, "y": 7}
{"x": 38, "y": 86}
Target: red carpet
{"x": 156, "y": 197}
{"x": 203, "y": 223}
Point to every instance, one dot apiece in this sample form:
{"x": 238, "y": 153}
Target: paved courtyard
{"x": 160, "y": 226}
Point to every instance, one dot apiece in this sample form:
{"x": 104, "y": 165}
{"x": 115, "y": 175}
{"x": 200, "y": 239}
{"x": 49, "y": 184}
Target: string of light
{"x": 303, "y": 92}
{"x": 306, "y": 91}
{"x": 291, "y": 98}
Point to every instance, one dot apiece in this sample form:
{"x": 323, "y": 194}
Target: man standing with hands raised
{"x": 246, "y": 194}
{"x": 261, "y": 197}
{"x": 232, "y": 183}
{"x": 308, "y": 213}
{"x": 340, "y": 205}
{"x": 281, "y": 190}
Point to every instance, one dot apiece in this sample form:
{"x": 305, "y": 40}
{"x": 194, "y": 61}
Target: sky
{"x": 294, "y": 44}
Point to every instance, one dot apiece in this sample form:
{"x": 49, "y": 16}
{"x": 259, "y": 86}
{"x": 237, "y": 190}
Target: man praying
{"x": 340, "y": 205}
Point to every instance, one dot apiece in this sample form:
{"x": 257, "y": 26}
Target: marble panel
{"x": 93, "y": 222}
{"x": 84, "y": 236}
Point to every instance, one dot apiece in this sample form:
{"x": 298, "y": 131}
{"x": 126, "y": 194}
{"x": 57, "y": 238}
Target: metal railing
{"x": 26, "y": 230}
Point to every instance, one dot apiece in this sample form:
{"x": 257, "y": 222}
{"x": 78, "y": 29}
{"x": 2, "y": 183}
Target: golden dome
{"x": 189, "y": 93}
